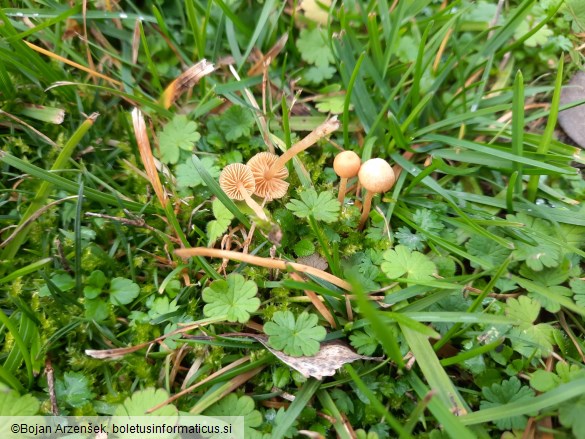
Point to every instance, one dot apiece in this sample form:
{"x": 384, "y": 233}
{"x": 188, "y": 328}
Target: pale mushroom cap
{"x": 347, "y": 164}
{"x": 236, "y": 176}
{"x": 274, "y": 187}
{"x": 376, "y": 175}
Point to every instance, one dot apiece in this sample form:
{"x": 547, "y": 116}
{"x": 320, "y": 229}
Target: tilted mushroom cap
{"x": 376, "y": 175}
{"x": 271, "y": 188}
{"x": 347, "y": 164}
{"x": 234, "y": 177}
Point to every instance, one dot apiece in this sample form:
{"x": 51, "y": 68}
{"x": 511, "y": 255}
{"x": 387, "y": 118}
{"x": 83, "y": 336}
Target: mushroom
{"x": 268, "y": 187}
{"x": 237, "y": 181}
{"x": 269, "y": 169}
{"x": 376, "y": 176}
{"x": 346, "y": 165}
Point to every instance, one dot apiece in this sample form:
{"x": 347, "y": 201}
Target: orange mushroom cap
{"x": 269, "y": 188}
{"x": 234, "y": 177}
{"x": 347, "y": 164}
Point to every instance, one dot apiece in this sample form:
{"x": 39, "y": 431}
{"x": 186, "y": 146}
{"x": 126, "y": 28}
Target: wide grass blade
{"x": 302, "y": 398}
{"x": 544, "y": 401}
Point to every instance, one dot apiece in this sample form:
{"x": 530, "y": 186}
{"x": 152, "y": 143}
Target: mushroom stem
{"x": 262, "y": 262}
{"x": 318, "y": 133}
{"x": 251, "y": 203}
{"x": 342, "y": 189}
{"x": 366, "y": 209}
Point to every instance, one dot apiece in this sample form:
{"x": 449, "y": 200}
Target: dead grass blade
{"x": 262, "y": 262}
{"x": 185, "y": 81}
{"x": 146, "y": 155}
{"x": 200, "y": 383}
{"x": 72, "y": 63}
{"x": 320, "y": 306}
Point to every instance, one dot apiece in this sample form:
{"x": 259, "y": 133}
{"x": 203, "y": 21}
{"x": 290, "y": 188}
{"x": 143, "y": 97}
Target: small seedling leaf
{"x": 123, "y": 291}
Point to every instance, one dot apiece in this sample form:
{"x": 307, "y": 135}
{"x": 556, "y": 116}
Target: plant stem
{"x": 342, "y": 189}
{"x": 262, "y": 262}
{"x": 366, "y": 209}
{"x": 317, "y": 231}
{"x": 251, "y": 203}
{"x": 318, "y": 133}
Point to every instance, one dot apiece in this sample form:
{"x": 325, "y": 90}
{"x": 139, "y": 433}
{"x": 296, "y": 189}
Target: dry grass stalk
{"x": 200, "y": 383}
{"x": 262, "y": 262}
{"x": 71, "y": 63}
{"x": 146, "y": 155}
{"x": 317, "y": 303}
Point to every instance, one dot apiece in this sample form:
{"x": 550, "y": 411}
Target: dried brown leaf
{"x": 185, "y": 81}
{"x": 331, "y": 356}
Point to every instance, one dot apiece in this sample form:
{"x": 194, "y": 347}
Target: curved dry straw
{"x": 262, "y": 262}
{"x": 326, "y": 128}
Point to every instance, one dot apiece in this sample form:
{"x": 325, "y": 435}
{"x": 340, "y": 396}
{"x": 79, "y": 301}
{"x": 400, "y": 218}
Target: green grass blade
{"x": 20, "y": 344}
{"x": 45, "y": 188}
{"x": 302, "y": 398}
{"x": 551, "y": 122}
{"x": 544, "y": 401}
{"x": 451, "y": 423}
{"x": 35, "y": 266}
{"x": 69, "y": 186}
{"x": 379, "y": 328}
{"x": 347, "y": 100}
{"x": 432, "y": 370}
{"x": 327, "y": 403}
{"x": 518, "y": 128}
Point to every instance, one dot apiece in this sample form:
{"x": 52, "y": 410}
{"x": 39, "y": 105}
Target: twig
{"x": 262, "y": 262}
{"x": 51, "y": 384}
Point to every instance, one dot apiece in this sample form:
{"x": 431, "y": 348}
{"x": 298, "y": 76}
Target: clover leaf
{"x": 508, "y": 391}
{"x": 73, "y": 389}
{"x": 231, "y": 405}
{"x": 571, "y": 415}
{"x": 234, "y": 297}
{"x": 323, "y": 206}
{"x": 11, "y": 404}
{"x": 402, "y": 262}
{"x": 223, "y": 218}
{"x": 123, "y": 291}
{"x": 188, "y": 175}
{"x": 236, "y": 122}
{"x": 141, "y": 401}
{"x": 179, "y": 133}
{"x": 314, "y": 48}
{"x": 295, "y": 337}
{"x": 578, "y": 288}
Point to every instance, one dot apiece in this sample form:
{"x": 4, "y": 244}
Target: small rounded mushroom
{"x": 268, "y": 186}
{"x": 237, "y": 181}
{"x": 376, "y": 176}
{"x": 346, "y": 165}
